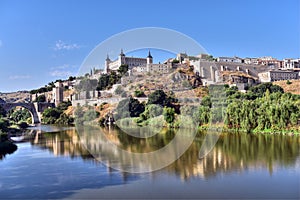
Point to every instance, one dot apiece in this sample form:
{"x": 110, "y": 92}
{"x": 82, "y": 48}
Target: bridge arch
{"x": 29, "y": 106}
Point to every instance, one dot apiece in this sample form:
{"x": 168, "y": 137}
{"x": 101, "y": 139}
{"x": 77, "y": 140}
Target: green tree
{"x": 129, "y": 107}
{"x": 123, "y": 69}
{"x": 169, "y": 114}
{"x": 139, "y": 93}
{"x": 41, "y": 98}
{"x": 159, "y": 97}
{"x": 50, "y": 115}
{"x": 19, "y": 115}
{"x": 2, "y": 112}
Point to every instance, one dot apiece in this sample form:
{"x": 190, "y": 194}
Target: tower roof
{"x": 149, "y": 55}
{"x": 122, "y": 54}
{"x": 107, "y": 58}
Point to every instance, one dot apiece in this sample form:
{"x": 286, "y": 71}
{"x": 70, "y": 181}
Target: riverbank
{"x": 293, "y": 131}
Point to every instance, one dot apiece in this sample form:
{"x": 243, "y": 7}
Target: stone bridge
{"x": 35, "y": 109}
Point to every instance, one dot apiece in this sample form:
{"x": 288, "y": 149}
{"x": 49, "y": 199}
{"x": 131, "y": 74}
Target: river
{"x": 58, "y": 163}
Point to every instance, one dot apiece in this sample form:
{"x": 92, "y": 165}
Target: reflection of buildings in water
{"x": 225, "y": 157}
{"x": 216, "y": 162}
{"x": 65, "y": 143}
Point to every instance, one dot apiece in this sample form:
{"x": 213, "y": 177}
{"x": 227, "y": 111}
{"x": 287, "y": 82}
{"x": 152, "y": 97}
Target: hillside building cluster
{"x": 240, "y": 72}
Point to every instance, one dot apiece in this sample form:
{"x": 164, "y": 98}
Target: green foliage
{"x": 2, "y": 112}
{"x": 106, "y": 81}
{"x": 64, "y": 105}
{"x": 260, "y": 89}
{"x": 64, "y": 119}
{"x": 206, "y": 101}
{"x": 159, "y": 97}
{"x": 90, "y": 115}
{"x": 41, "y": 98}
{"x": 44, "y": 89}
{"x": 50, "y": 115}
{"x": 123, "y": 69}
{"x": 129, "y": 108}
{"x": 23, "y": 125}
{"x": 6, "y": 147}
{"x": 71, "y": 78}
{"x": 4, "y": 124}
{"x": 274, "y": 111}
{"x": 139, "y": 93}
{"x": 175, "y": 61}
{"x": 19, "y": 115}
{"x": 57, "y": 115}
{"x": 204, "y": 115}
{"x": 288, "y": 82}
{"x": 169, "y": 114}
{"x": 79, "y": 115}
{"x": 151, "y": 111}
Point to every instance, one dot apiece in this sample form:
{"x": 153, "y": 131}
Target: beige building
{"x": 123, "y": 60}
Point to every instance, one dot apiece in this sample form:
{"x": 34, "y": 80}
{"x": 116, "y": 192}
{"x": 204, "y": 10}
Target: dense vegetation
{"x": 85, "y": 115}
{"x": 57, "y": 115}
{"x": 106, "y": 81}
{"x": 264, "y": 108}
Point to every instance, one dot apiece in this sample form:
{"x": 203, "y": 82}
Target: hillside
{"x": 181, "y": 82}
{"x": 293, "y": 88}
{"x": 15, "y": 97}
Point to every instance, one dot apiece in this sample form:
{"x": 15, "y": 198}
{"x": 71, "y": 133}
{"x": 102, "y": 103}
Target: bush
{"x": 169, "y": 114}
{"x": 41, "y": 98}
{"x": 4, "y": 124}
{"x": 50, "y": 115}
{"x": 23, "y": 125}
{"x": 90, "y": 115}
{"x": 139, "y": 93}
{"x": 64, "y": 119}
{"x": 129, "y": 108}
{"x": 158, "y": 97}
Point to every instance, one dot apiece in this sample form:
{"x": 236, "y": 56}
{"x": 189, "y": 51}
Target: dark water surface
{"x": 58, "y": 165}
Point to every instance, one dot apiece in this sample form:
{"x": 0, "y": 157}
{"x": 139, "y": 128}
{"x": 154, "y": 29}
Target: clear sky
{"x": 41, "y": 41}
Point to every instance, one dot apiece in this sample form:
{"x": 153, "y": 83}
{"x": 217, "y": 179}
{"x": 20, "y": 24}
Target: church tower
{"x": 149, "y": 61}
{"x": 107, "y": 62}
{"x": 149, "y": 58}
{"x": 122, "y": 58}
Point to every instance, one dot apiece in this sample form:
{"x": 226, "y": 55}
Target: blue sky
{"x": 41, "y": 41}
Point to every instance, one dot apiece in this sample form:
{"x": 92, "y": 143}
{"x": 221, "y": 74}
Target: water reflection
{"x": 7, "y": 147}
{"x": 233, "y": 152}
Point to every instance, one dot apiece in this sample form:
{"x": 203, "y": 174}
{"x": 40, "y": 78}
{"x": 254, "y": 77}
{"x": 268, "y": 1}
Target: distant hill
{"x": 15, "y": 97}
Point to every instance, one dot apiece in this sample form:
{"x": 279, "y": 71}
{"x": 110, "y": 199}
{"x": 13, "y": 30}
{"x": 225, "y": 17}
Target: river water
{"x": 58, "y": 163}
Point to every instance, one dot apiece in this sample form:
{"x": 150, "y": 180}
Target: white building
{"x": 251, "y": 61}
{"x": 229, "y": 59}
{"x": 289, "y": 63}
{"x": 123, "y": 60}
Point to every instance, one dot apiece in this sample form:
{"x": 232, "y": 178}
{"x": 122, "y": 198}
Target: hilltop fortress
{"x": 136, "y": 64}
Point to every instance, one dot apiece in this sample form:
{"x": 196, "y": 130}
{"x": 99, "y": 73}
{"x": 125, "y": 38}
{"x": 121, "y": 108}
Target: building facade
{"x": 230, "y": 59}
{"x": 279, "y": 75}
{"x": 123, "y": 60}
{"x": 289, "y": 63}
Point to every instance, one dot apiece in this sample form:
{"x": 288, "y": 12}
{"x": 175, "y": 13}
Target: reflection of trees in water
{"x": 233, "y": 152}
{"x": 237, "y": 152}
{"x": 264, "y": 150}
{"x": 7, "y": 147}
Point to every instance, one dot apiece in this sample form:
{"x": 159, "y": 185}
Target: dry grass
{"x": 293, "y": 88}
